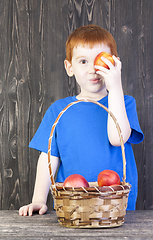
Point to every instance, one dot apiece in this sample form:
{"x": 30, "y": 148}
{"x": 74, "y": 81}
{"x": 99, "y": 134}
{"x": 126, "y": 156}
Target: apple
{"x": 75, "y": 180}
{"x": 99, "y": 62}
{"x": 108, "y": 178}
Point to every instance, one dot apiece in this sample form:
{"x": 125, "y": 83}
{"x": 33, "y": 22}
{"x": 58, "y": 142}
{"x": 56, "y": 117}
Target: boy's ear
{"x": 68, "y": 67}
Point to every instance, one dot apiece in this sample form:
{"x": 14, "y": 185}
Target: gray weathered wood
{"x": 138, "y": 225}
{"x": 32, "y": 76}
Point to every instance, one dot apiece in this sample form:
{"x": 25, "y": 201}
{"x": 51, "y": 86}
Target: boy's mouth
{"x": 95, "y": 80}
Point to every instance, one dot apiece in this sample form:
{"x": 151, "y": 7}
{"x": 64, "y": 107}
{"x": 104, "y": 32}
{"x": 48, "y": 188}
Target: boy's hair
{"x": 89, "y": 35}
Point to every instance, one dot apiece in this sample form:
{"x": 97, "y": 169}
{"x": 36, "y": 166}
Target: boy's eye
{"x": 83, "y": 61}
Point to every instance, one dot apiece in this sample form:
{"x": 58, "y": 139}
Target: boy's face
{"x": 82, "y": 67}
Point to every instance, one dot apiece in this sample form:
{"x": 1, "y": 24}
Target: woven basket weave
{"x": 93, "y": 206}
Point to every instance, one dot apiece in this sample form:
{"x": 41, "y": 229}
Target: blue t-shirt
{"x": 81, "y": 141}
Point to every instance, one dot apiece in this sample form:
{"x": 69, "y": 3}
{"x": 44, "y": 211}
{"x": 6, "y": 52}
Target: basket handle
{"x": 55, "y": 123}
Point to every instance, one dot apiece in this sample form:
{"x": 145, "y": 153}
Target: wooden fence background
{"x": 32, "y": 49}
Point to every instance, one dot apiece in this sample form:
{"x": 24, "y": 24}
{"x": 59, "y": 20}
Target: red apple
{"x": 108, "y": 178}
{"x": 99, "y": 62}
{"x": 75, "y": 180}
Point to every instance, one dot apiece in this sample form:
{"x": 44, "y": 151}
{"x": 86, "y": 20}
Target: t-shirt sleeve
{"x": 137, "y": 135}
{"x": 41, "y": 137}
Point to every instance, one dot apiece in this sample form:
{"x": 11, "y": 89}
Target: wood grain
{"x": 137, "y": 225}
{"x": 32, "y": 76}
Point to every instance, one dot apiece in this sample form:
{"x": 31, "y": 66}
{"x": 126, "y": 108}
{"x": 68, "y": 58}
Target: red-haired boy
{"x": 86, "y": 140}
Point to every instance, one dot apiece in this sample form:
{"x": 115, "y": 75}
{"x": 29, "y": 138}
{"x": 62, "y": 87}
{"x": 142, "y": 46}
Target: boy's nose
{"x": 92, "y": 68}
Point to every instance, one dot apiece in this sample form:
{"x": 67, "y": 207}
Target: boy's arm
{"x": 42, "y": 186}
{"x": 116, "y": 103}
{"x": 117, "y": 107}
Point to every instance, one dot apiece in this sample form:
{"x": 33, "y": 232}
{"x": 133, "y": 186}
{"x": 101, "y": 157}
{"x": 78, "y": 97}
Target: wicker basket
{"x": 93, "y": 206}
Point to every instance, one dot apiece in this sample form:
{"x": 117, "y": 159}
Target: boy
{"x": 86, "y": 140}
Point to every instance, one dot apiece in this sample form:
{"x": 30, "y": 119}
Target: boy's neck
{"x": 93, "y": 96}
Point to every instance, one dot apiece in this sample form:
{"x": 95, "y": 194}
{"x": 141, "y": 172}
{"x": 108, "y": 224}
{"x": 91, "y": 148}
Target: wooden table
{"x": 138, "y": 225}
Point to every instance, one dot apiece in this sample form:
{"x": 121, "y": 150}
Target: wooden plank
{"x": 132, "y": 32}
{"x": 32, "y": 76}
{"x": 138, "y": 225}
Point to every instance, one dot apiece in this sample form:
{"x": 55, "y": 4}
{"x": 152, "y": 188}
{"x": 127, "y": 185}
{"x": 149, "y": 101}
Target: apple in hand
{"x": 75, "y": 180}
{"x": 108, "y": 178}
{"x": 99, "y": 62}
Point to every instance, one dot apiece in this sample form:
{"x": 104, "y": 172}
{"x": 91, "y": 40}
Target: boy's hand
{"x": 112, "y": 76}
{"x": 33, "y": 207}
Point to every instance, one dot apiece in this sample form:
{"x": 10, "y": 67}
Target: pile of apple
{"x": 105, "y": 178}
